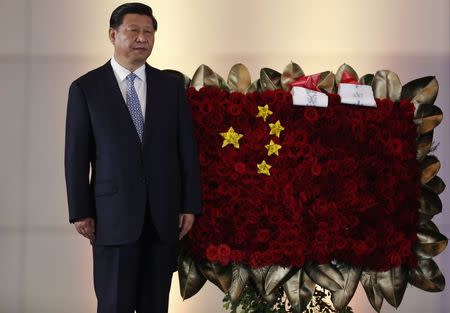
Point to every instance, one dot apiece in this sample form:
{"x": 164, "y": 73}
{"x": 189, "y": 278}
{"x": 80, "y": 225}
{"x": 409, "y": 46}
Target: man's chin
{"x": 140, "y": 59}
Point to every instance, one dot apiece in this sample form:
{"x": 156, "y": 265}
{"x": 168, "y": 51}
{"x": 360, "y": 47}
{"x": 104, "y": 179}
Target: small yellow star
{"x": 263, "y": 168}
{"x": 231, "y": 137}
{"x": 264, "y": 112}
{"x": 272, "y": 148}
{"x": 276, "y": 129}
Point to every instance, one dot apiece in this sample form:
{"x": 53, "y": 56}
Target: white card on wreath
{"x": 357, "y": 95}
{"x": 307, "y": 97}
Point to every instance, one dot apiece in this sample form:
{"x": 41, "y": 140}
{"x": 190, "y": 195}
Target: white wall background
{"x": 45, "y": 44}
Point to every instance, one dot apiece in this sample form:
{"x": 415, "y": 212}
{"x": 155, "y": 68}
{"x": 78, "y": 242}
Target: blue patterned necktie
{"x": 134, "y": 105}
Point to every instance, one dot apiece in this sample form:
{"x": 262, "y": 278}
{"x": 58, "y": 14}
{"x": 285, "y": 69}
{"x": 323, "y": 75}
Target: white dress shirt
{"x": 140, "y": 84}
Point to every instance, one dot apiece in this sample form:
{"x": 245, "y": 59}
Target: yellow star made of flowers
{"x": 264, "y": 112}
{"x": 276, "y": 129}
{"x": 263, "y": 168}
{"x": 272, "y": 148}
{"x": 231, "y": 137}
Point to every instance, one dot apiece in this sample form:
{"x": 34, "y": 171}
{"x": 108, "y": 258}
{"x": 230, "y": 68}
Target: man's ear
{"x": 112, "y": 35}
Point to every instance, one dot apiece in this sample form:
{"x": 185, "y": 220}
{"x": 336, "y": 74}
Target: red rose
{"x": 408, "y": 108}
{"x": 395, "y": 259}
{"x": 237, "y": 98}
{"x": 240, "y": 236}
{"x": 237, "y": 256}
{"x": 234, "y": 109}
{"x": 224, "y": 253}
{"x": 395, "y": 146}
{"x": 385, "y": 107}
{"x": 306, "y": 150}
{"x": 320, "y": 208}
{"x": 311, "y": 114}
{"x": 316, "y": 169}
{"x": 214, "y": 93}
{"x": 240, "y": 167}
{"x": 361, "y": 247}
{"x": 263, "y": 235}
{"x": 212, "y": 253}
{"x": 255, "y": 259}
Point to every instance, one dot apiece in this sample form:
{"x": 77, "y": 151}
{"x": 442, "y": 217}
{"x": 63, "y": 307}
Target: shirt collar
{"x": 122, "y": 72}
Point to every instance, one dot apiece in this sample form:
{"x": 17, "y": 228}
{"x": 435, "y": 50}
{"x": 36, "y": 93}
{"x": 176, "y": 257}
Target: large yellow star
{"x": 272, "y": 148}
{"x": 263, "y": 168}
{"x": 231, "y": 137}
{"x": 276, "y": 129}
{"x": 264, "y": 112}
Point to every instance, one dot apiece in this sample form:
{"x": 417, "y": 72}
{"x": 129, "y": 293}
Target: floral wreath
{"x": 295, "y": 196}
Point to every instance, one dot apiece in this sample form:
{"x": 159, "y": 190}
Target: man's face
{"x": 133, "y": 39}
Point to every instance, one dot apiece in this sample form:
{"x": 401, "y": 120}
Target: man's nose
{"x": 141, "y": 37}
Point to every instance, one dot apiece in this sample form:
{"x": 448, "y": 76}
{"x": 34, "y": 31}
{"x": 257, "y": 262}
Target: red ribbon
{"x": 347, "y": 78}
{"x": 308, "y": 82}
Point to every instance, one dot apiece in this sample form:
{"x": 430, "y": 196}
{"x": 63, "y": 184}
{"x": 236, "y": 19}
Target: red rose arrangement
{"x": 341, "y": 183}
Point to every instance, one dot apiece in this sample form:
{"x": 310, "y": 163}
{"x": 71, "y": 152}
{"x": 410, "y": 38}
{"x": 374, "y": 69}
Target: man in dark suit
{"x": 131, "y": 167}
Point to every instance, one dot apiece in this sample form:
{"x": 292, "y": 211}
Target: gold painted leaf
{"x": 430, "y": 244}
{"x": 386, "y": 84}
{"x": 372, "y": 289}
{"x": 349, "y": 69}
{"x": 327, "y": 82}
{"x": 205, "y": 76}
{"x": 299, "y": 290}
{"x": 186, "y": 79}
{"x": 424, "y": 217}
{"x": 393, "y": 284}
{"x": 217, "y": 274}
{"x": 276, "y": 277}
{"x": 428, "y": 110}
{"x": 436, "y": 185}
{"x": 325, "y": 275}
{"x": 222, "y": 83}
{"x": 258, "y": 276}
{"x": 238, "y": 282}
{"x": 270, "y": 79}
{"x": 430, "y": 167}
{"x": 430, "y": 203}
{"x": 291, "y": 72}
{"x": 427, "y": 118}
{"x": 427, "y": 276}
{"x": 191, "y": 280}
{"x": 367, "y": 79}
{"x": 341, "y": 298}
{"x": 422, "y": 91}
{"x": 254, "y": 87}
{"x": 239, "y": 78}
{"x": 426, "y": 223}
{"x": 423, "y": 144}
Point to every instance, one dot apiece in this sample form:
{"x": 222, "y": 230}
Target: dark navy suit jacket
{"x": 163, "y": 171}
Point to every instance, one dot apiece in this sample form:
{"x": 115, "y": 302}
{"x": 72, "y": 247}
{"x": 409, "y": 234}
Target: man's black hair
{"x": 131, "y": 8}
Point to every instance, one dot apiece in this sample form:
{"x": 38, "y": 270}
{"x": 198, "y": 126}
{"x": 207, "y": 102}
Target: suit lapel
{"x": 117, "y": 104}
